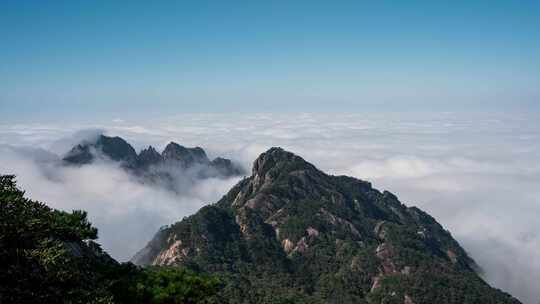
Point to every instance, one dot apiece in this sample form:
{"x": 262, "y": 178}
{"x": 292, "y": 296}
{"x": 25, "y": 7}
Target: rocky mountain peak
{"x": 149, "y": 152}
{"x": 149, "y": 166}
{"x": 278, "y": 169}
{"x": 172, "y": 148}
{"x": 114, "y": 148}
{"x": 278, "y": 161}
{"x": 318, "y": 238}
{"x": 150, "y": 149}
{"x": 149, "y": 156}
{"x": 187, "y": 156}
{"x": 304, "y": 230}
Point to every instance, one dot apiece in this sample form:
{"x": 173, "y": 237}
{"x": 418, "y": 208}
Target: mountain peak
{"x": 149, "y": 151}
{"x": 187, "y": 156}
{"x": 115, "y": 148}
{"x": 171, "y": 146}
{"x": 149, "y": 163}
{"x": 277, "y": 159}
{"x": 303, "y": 230}
{"x": 148, "y": 156}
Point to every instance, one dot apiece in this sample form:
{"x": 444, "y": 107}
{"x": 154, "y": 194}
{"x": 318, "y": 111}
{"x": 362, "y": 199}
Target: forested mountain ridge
{"x": 290, "y": 233}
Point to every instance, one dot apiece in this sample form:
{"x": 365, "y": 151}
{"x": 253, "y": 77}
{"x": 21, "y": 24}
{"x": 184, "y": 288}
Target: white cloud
{"x": 126, "y": 212}
{"x": 477, "y": 175}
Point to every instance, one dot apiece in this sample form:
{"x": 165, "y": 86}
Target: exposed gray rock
{"x": 176, "y": 165}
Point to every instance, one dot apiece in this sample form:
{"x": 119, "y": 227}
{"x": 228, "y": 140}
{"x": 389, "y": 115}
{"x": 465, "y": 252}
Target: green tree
{"x": 49, "y": 256}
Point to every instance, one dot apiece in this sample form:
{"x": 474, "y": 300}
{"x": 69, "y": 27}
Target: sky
{"x": 82, "y": 60}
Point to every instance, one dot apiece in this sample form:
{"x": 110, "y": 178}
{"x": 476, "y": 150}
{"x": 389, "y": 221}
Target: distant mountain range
{"x": 290, "y": 233}
{"x": 149, "y": 164}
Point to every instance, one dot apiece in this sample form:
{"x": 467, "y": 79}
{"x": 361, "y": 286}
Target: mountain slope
{"x": 290, "y": 233}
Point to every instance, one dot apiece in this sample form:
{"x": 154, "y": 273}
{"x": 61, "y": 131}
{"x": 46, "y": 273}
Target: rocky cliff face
{"x": 290, "y": 232}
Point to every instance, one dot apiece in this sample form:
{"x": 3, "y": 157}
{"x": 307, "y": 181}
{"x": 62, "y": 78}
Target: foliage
{"x": 165, "y": 285}
{"x": 301, "y": 236}
{"x": 48, "y": 256}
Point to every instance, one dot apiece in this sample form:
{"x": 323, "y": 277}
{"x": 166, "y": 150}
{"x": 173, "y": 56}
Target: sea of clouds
{"x": 477, "y": 174}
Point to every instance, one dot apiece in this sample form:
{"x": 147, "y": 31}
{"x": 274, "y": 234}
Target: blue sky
{"x": 87, "y": 59}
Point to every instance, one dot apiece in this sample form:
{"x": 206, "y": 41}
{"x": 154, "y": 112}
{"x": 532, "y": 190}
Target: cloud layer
{"x": 126, "y": 211}
{"x": 476, "y": 174}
